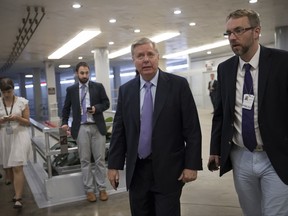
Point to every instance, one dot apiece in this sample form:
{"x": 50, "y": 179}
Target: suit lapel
{"x": 162, "y": 93}
{"x": 264, "y": 69}
{"x": 77, "y": 96}
{"x": 90, "y": 89}
{"x": 232, "y": 79}
{"x": 135, "y": 98}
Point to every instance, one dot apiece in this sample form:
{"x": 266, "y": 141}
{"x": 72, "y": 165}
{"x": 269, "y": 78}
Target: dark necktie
{"x": 248, "y": 129}
{"x": 144, "y": 147}
{"x": 83, "y": 104}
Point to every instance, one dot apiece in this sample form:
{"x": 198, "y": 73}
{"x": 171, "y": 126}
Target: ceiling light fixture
{"x": 198, "y": 49}
{"x": 253, "y": 1}
{"x": 112, "y": 20}
{"x": 177, "y": 11}
{"x": 80, "y": 57}
{"x": 192, "y": 24}
{"x": 28, "y": 76}
{"x": 137, "y": 31}
{"x": 76, "y": 6}
{"x": 75, "y": 42}
{"x": 156, "y": 39}
{"x": 164, "y": 36}
{"x": 64, "y": 66}
{"x": 111, "y": 43}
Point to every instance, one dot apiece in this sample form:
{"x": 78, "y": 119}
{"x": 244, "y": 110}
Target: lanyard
{"x": 11, "y": 106}
{"x": 84, "y": 96}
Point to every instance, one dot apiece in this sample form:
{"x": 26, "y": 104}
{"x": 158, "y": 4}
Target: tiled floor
{"x": 208, "y": 195}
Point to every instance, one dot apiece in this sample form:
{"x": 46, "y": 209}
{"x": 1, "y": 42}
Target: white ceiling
{"x": 61, "y": 22}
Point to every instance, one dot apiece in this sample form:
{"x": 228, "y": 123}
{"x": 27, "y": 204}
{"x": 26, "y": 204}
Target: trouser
{"x": 144, "y": 200}
{"x": 259, "y": 188}
{"x": 91, "y": 142}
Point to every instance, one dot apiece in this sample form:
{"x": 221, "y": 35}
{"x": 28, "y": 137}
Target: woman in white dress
{"x": 15, "y": 143}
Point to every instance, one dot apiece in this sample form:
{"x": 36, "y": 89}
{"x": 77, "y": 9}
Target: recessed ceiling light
{"x": 253, "y": 1}
{"x": 209, "y": 52}
{"x": 112, "y": 20}
{"x": 29, "y": 76}
{"x": 76, "y": 5}
{"x": 64, "y": 66}
{"x": 80, "y": 57}
{"x": 192, "y": 24}
{"x": 111, "y": 43}
{"x": 75, "y": 42}
{"x": 137, "y": 30}
{"x": 177, "y": 11}
{"x": 93, "y": 51}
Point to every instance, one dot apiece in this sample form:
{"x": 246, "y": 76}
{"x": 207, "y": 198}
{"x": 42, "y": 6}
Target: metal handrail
{"x": 46, "y": 153}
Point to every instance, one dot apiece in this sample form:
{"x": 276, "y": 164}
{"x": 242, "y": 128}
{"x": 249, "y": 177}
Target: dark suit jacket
{"x": 98, "y": 98}
{"x": 214, "y": 86}
{"x": 175, "y": 121}
{"x": 272, "y": 109}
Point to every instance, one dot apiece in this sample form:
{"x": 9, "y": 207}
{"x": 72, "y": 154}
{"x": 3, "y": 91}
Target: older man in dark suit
{"x": 88, "y": 101}
{"x": 250, "y": 130}
{"x": 162, "y": 148}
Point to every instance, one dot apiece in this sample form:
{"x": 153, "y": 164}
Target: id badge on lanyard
{"x": 248, "y": 101}
{"x": 9, "y": 129}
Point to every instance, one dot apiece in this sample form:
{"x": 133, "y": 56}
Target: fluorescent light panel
{"x": 156, "y": 39}
{"x": 64, "y": 66}
{"x": 74, "y": 43}
{"x": 198, "y": 49}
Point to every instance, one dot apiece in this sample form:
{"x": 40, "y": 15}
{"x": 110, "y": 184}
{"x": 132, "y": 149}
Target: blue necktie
{"x": 248, "y": 128}
{"x": 83, "y": 104}
{"x": 144, "y": 147}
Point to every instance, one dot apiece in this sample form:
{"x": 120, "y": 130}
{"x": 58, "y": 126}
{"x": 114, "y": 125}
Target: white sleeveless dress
{"x": 15, "y": 148}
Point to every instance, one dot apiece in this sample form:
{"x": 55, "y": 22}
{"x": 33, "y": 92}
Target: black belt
{"x": 89, "y": 123}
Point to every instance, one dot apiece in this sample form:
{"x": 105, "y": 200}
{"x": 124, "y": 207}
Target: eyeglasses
{"x": 237, "y": 31}
{"x": 142, "y": 56}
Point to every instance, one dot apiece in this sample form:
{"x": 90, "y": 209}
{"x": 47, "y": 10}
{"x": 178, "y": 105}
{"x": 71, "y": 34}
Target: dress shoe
{"x": 7, "y": 182}
{"x": 103, "y": 196}
{"x": 91, "y": 197}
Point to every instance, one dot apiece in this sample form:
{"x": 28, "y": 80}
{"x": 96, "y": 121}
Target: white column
{"x": 189, "y": 61}
{"x": 281, "y": 37}
{"x": 102, "y": 70}
{"x": 51, "y": 88}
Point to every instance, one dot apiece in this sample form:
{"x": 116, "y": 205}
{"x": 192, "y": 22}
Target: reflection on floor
{"x": 208, "y": 195}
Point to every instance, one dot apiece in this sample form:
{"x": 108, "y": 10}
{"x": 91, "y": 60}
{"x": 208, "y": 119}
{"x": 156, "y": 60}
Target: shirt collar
{"x": 81, "y": 84}
{"x": 154, "y": 80}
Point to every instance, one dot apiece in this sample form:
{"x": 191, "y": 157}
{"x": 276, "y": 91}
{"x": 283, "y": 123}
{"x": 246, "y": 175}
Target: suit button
{"x": 230, "y": 142}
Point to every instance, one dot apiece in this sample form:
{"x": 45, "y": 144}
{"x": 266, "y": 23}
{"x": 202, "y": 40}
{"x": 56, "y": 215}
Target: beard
{"x": 241, "y": 48}
{"x": 83, "y": 80}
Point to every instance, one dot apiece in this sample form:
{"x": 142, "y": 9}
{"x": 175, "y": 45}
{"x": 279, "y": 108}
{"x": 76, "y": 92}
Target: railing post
{"x": 47, "y": 146}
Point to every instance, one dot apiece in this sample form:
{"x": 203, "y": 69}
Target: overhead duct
{"x": 25, "y": 33}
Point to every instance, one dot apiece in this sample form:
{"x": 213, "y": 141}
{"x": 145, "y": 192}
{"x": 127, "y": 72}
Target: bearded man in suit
{"x": 88, "y": 101}
{"x": 249, "y": 126}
